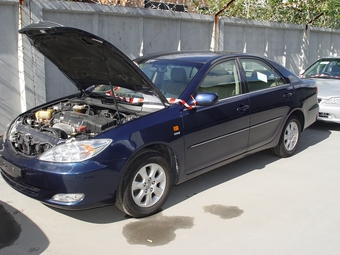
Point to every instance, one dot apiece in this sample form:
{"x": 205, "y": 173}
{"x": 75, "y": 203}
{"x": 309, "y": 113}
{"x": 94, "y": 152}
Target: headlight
{"x": 75, "y": 151}
{"x": 332, "y": 100}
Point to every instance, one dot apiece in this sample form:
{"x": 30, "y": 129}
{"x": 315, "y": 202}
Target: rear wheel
{"x": 145, "y": 184}
{"x": 289, "y": 138}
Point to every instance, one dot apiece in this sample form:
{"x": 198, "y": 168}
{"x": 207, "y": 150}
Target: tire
{"x": 145, "y": 184}
{"x": 289, "y": 138}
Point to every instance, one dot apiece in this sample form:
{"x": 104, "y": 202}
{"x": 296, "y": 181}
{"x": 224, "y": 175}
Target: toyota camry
{"x": 138, "y": 127}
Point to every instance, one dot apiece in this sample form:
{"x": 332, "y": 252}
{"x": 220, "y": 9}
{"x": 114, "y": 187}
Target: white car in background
{"x": 326, "y": 73}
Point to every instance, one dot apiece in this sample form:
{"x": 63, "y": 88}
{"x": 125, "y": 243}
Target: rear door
{"x": 216, "y": 133}
{"x": 270, "y": 98}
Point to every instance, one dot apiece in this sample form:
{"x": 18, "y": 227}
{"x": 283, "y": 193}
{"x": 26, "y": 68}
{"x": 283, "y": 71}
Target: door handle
{"x": 287, "y": 94}
{"x": 243, "y": 108}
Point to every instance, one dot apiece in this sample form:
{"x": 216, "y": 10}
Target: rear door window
{"x": 259, "y": 75}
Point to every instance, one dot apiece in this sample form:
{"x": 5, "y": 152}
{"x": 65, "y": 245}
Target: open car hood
{"x": 87, "y": 59}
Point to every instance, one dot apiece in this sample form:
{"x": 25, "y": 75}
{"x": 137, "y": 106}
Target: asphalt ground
{"x": 259, "y": 205}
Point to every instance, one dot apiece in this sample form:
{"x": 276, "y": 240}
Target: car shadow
{"x": 101, "y": 215}
{"x": 310, "y": 137}
{"x": 16, "y": 226}
{"x": 323, "y": 126}
{"x": 316, "y": 133}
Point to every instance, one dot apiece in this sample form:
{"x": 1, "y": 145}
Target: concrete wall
{"x": 322, "y": 42}
{"x": 280, "y": 42}
{"x": 9, "y": 72}
{"x": 27, "y": 79}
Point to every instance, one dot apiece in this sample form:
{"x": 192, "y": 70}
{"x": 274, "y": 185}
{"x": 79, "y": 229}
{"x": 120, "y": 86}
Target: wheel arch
{"x": 165, "y": 151}
{"x": 299, "y": 114}
{"x": 169, "y": 154}
{"x": 136, "y": 171}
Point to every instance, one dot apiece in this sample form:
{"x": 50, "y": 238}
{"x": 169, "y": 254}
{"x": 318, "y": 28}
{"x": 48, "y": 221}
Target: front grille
{"x": 21, "y": 187}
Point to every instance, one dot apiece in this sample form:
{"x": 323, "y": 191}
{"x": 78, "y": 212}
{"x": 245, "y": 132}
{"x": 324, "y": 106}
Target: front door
{"x": 216, "y": 133}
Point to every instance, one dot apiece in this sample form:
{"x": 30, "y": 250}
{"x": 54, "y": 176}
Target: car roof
{"x": 203, "y": 57}
{"x": 189, "y": 56}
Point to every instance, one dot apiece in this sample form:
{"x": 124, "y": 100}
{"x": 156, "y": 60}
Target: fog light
{"x": 68, "y": 197}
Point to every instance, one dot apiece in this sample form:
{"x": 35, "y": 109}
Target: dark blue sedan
{"x": 137, "y": 128}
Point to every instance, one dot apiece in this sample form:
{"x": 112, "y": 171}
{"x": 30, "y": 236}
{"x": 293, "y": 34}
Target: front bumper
{"x": 96, "y": 181}
{"x": 329, "y": 113}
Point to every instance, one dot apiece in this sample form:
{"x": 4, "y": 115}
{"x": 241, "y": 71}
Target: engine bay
{"x": 74, "y": 119}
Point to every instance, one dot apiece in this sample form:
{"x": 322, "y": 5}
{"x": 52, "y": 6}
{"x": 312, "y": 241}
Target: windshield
{"x": 324, "y": 68}
{"x": 171, "y": 77}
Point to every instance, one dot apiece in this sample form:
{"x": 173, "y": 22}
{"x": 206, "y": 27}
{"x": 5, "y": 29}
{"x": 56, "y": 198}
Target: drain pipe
{"x": 216, "y": 37}
{"x": 21, "y": 69}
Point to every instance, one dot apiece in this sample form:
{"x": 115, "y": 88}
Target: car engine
{"x": 35, "y": 132}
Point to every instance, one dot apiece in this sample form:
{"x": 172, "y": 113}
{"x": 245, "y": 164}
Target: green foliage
{"x": 320, "y": 13}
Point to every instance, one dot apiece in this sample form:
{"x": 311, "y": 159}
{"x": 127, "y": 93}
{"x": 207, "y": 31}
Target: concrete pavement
{"x": 259, "y": 205}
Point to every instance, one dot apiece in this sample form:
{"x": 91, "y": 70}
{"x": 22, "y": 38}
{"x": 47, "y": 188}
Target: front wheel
{"x": 145, "y": 184}
{"x": 289, "y": 138}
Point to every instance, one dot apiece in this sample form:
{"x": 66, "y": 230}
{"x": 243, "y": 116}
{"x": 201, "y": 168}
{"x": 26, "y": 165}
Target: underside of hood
{"x": 87, "y": 59}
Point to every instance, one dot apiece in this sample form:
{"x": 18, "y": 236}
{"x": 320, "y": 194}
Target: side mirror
{"x": 206, "y": 98}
